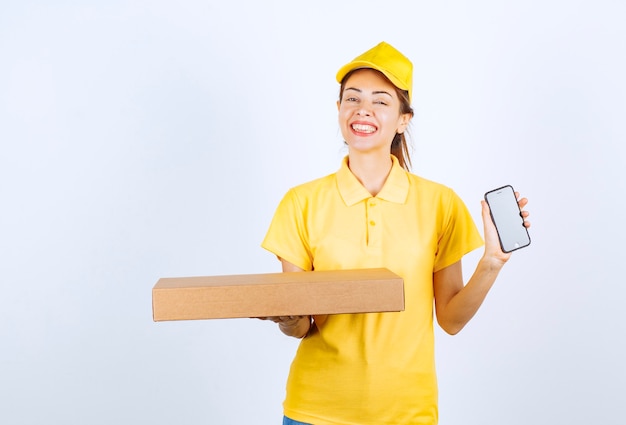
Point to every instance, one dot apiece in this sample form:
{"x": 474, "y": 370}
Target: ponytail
{"x": 400, "y": 149}
{"x": 399, "y": 145}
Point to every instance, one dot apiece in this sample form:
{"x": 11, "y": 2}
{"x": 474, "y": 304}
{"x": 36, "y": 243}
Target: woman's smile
{"x": 361, "y": 128}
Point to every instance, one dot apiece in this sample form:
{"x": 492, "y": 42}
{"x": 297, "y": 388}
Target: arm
{"x": 296, "y": 326}
{"x": 456, "y": 304}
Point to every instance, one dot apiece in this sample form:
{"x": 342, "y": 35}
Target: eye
{"x": 381, "y": 102}
{"x": 351, "y": 99}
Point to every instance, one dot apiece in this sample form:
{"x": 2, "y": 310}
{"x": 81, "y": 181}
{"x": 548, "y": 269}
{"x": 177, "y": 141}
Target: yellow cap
{"x": 386, "y": 59}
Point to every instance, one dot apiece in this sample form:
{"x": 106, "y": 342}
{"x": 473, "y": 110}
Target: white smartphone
{"x": 507, "y": 217}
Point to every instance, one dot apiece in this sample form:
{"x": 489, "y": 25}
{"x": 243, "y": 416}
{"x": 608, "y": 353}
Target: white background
{"x": 148, "y": 139}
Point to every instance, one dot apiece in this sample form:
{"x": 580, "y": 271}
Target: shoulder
{"x": 302, "y": 196}
{"x": 424, "y": 186}
{"x": 314, "y": 186}
{"x": 436, "y": 197}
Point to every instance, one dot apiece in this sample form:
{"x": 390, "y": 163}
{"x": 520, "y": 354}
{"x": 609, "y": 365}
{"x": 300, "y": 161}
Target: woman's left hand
{"x": 493, "y": 251}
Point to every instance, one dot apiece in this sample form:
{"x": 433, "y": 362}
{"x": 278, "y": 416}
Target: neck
{"x": 371, "y": 170}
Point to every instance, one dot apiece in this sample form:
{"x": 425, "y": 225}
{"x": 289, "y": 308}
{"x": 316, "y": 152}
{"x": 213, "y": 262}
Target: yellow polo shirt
{"x": 375, "y": 368}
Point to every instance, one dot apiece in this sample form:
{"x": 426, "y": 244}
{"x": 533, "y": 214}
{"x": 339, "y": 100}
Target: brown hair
{"x": 399, "y": 145}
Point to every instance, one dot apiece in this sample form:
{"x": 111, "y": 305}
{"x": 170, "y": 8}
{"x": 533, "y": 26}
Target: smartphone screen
{"x": 507, "y": 217}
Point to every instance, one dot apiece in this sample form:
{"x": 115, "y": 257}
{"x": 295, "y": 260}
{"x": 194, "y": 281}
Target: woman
{"x": 378, "y": 368}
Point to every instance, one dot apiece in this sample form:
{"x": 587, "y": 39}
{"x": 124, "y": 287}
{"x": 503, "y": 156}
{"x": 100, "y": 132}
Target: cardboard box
{"x": 277, "y": 294}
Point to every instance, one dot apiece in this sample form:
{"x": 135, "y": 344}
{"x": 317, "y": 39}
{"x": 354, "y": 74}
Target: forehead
{"x": 369, "y": 79}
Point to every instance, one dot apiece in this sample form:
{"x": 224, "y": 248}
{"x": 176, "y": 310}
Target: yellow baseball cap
{"x": 386, "y": 59}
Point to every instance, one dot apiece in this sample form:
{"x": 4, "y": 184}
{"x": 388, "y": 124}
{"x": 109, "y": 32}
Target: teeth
{"x": 364, "y": 128}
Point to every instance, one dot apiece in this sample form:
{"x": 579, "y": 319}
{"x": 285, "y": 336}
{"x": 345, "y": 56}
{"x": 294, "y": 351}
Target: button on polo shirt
{"x": 395, "y": 190}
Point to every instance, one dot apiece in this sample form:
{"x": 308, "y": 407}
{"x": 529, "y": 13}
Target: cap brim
{"x": 344, "y": 70}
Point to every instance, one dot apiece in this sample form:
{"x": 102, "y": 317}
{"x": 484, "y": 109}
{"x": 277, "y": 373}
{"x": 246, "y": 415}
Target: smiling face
{"x": 369, "y": 112}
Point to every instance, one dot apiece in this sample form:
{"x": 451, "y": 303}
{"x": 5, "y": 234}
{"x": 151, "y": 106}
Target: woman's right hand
{"x": 296, "y": 326}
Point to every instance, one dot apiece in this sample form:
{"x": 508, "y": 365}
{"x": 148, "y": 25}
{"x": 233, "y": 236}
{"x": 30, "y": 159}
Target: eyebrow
{"x": 374, "y": 92}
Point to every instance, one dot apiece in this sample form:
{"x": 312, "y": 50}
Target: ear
{"x": 404, "y": 121}
{"x": 338, "y": 104}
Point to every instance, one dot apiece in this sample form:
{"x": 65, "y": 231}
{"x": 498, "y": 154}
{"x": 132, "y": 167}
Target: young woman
{"x": 378, "y": 368}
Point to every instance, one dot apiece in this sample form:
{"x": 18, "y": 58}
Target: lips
{"x": 363, "y": 128}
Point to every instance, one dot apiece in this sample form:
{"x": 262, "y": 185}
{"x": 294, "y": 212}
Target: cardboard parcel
{"x": 277, "y": 294}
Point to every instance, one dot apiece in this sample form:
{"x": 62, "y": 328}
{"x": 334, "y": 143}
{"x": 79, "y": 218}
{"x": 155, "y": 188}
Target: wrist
{"x": 491, "y": 264}
{"x": 296, "y": 326}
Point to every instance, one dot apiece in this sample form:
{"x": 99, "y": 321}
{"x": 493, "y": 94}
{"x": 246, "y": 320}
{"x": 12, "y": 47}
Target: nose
{"x": 364, "y": 110}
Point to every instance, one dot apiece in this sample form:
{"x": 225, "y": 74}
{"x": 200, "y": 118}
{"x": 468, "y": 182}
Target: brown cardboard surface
{"x": 277, "y": 294}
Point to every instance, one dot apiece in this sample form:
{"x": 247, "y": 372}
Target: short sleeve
{"x": 459, "y": 234}
{"x": 287, "y": 235}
